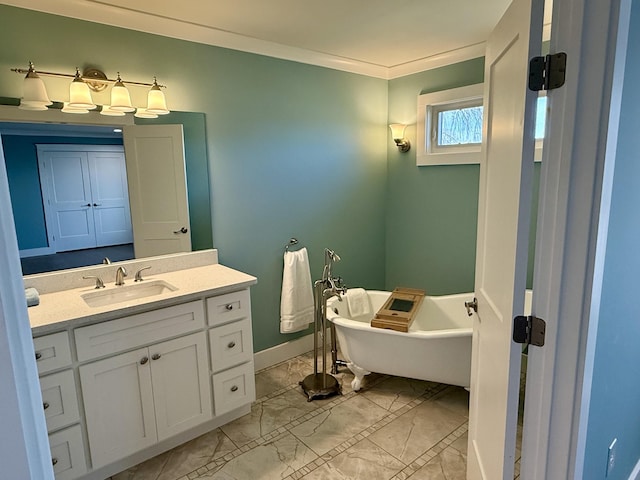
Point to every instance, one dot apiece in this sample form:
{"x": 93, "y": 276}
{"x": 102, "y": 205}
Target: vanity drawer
{"x": 234, "y": 388}
{"x": 135, "y": 331}
{"x": 231, "y": 344}
{"x": 67, "y": 453}
{"x": 52, "y": 352}
{"x": 229, "y": 307}
{"x": 59, "y": 400}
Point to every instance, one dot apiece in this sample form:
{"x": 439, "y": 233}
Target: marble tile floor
{"x": 394, "y": 428}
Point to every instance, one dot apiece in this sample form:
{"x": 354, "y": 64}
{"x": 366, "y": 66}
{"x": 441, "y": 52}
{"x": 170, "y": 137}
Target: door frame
{"x": 581, "y": 131}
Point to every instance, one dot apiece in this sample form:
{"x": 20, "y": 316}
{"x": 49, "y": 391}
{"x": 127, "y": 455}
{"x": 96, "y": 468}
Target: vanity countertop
{"x": 62, "y": 309}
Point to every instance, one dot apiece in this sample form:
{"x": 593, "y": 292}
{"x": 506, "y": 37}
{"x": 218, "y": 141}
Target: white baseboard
{"x": 635, "y": 474}
{"x": 36, "y": 252}
{"x": 282, "y": 352}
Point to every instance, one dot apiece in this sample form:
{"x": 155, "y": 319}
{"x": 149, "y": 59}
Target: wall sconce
{"x": 397, "y": 133}
{"x": 35, "y": 94}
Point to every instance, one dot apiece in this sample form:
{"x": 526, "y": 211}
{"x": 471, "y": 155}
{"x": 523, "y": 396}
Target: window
{"x": 450, "y": 126}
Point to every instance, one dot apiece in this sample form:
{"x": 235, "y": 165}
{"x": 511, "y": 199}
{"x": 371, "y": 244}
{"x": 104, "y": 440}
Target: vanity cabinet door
{"x": 118, "y": 400}
{"x": 181, "y": 388}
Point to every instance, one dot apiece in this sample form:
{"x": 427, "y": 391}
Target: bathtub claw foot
{"x": 359, "y": 373}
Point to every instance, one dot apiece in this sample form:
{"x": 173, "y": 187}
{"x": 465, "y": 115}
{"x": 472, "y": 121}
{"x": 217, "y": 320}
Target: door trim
{"x": 566, "y": 266}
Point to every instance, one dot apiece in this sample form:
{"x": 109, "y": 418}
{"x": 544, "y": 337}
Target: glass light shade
{"x": 107, "y": 110}
{"x": 32, "y": 105}
{"x": 79, "y": 94}
{"x": 120, "y": 99}
{"x": 70, "y": 109}
{"x": 397, "y": 130}
{"x": 33, "y": 89}
{"x": 156, "y": 102}
{"x": 144, "y": 113}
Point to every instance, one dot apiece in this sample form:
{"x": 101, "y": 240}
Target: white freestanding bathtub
{"x": 437, "y": 346}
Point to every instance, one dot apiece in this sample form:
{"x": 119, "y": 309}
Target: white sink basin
{"x": 126, "y": 293}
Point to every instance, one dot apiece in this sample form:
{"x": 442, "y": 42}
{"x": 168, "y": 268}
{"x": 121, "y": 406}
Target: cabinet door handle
{"x": 38, "y": 355}
{"x": 54, "y": 461}
{"x": 234, "y": 388}
{"x": 45, "y": 405}
{"x": 231, "y": 344}
{"x": 155, "y": 356}
{"x": 144, "y": 360}
{"x": 228, "y": 306}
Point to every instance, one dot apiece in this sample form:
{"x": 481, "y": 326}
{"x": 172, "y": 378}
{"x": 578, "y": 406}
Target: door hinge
{"x": 529, "y": 330}
{"x": 547, "y": 73}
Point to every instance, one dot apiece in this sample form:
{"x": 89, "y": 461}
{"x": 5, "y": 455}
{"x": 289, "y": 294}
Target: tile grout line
{"x": 337, "y": 450}
{"x": 218, "y": 463}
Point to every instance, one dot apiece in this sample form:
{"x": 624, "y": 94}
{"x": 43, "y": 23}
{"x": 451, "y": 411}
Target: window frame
{"x": 429, "y": 104}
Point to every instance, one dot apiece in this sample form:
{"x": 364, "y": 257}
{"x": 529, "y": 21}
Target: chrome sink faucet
{"x": 120, "y": 274}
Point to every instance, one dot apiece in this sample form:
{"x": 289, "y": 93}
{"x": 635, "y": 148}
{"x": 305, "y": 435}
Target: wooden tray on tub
{"x": 399, "y": 310}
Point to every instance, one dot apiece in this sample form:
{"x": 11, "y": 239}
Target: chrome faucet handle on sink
{"x": 139, "y": 274}
{"x": 99, "y": 282}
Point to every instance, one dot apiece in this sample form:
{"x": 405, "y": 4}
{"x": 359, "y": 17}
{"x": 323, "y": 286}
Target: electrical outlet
{"x": 611, "y": 456}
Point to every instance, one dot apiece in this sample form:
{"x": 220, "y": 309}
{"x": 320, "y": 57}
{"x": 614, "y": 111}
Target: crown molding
{"x": 438, "y": 60}
{"x": 94, "y": 11}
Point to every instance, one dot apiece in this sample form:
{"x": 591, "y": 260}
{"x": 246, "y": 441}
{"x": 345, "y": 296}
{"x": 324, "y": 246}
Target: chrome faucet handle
{"x": 99, "y": 282}
{"x": 139, "y": 274}
{"x": 106, "y": 261}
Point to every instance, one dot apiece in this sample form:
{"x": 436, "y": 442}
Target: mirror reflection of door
{"x": 85, "y": 196}
{"x": 157, "y": 189}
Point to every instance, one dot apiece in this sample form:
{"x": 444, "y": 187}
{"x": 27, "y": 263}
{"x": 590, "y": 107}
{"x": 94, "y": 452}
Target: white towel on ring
{"x": 296, "y": 301}
{"x": 358, "y": 302}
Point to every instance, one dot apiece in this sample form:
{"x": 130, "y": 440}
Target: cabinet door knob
{"x": 54, "y": 461}
{"x": 38, "y": 355}
{"x": 228, "y": 306}
{"x": 45, "y": 405}
{"x": 231, "y": 344}
{"x": 234, "y": 388}
{"x": 144, "y": 360}
{"x": 155, "y": 356}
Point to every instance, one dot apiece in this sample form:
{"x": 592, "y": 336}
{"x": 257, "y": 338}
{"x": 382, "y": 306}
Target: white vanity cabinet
{"x": 135, "y": 399}
{"x": 60, "y": 405}
{"x": 120, "y": 389}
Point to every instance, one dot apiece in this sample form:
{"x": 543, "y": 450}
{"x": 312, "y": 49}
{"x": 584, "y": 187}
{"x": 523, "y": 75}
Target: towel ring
{"x": 292, "y": 243}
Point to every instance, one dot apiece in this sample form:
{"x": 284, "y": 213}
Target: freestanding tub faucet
{"x": 120, "y": 274}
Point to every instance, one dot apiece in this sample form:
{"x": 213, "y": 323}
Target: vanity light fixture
{"x": 79, "y": 94}
{"x": 397, "y": 133}
{"x": 35, "y": 94}
{"x": 156, "y": 103}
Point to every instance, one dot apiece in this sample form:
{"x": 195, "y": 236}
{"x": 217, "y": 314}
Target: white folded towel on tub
{"x": 358, "y": 302}
{"x": 296, "y": 301}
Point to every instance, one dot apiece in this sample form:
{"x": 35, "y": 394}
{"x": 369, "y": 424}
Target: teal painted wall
{"x": 431, "y": 211}
{"x": 21, "y": 163}
{"x": 615, "y": 395}
{"x": 293, "y": 149}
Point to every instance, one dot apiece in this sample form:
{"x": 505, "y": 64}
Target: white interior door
{"x": 67, "y": 198}
{"x": 157, "y": 189}
{"x": 110, "y": 198}
{"x": 503, "y": 226}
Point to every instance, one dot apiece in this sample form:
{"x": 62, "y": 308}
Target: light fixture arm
{"x": 90, "y": 76}
{"x": 403, "y": 144}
